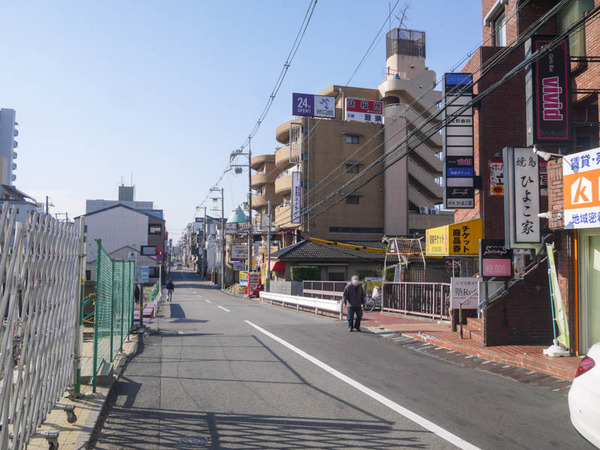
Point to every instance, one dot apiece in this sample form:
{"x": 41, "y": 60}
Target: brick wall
{"x": 523, "y": 316}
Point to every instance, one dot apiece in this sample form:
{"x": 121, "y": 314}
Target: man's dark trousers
{"x": 351, "y": 311}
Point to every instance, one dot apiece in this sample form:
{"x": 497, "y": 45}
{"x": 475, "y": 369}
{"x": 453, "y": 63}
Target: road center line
{"x": 207, "y": 300}
{"x": 224, "y": 309}
{"x": 428, "y": 425}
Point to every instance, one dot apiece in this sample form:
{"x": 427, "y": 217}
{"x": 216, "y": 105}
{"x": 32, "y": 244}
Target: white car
{"x": 584, "y": 397}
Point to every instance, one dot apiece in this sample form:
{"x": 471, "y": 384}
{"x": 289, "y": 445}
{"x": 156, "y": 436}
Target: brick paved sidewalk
{"x": 529, "y": 357}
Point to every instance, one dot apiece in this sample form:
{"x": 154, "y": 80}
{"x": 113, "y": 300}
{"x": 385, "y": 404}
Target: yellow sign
{"x": 437, "y": 241}
{"x": 457, "y": 239}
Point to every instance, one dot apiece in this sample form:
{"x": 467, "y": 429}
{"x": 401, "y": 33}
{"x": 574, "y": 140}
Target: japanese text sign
{"x": 364, "y": 110}
{"x": 464, "y": 291}
{"x": 581, "y": 185}
{"x": 313, "y": 105}
{"x": 522, "y": 197}
{"x": 457, "y": 239}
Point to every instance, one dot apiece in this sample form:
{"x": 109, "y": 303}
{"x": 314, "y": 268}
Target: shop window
{"x": 500, "y": 31}
{"x": 153, "y": 272}
{"x": 352, "y": 200}
{"x": 352, "y": 139}
{"x": 352, "y": 168}
{"x": 571, "y": 13}
{"x": 337, "y": 276}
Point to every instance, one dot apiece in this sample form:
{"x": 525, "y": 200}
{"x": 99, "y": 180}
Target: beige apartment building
{"x": 403, "y": 200}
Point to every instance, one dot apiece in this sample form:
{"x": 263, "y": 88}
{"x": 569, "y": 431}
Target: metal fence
{"x": 39, "y": 285}
{"x": 113, "y": 309}
{"x": 423, "y": 299}
{"x": 329, "y": 290}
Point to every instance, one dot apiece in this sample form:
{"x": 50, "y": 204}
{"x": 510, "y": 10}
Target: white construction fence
{"x": 39, "y": 291}
{"x": 313, "y": 304}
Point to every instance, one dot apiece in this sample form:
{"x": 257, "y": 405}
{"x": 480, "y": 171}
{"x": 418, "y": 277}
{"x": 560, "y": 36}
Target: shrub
{"x": 302, "y": 273}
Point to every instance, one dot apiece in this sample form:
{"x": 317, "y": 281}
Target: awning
{"x": 277, "y": 266}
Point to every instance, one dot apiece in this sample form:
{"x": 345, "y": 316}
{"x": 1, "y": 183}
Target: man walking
{"x": 354, "y": 299}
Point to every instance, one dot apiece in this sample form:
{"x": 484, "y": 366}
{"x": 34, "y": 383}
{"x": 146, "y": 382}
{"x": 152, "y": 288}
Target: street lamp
{"x": 546, "y": 156}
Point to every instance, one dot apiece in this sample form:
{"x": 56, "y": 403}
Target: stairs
{"x": 474, "y": 330}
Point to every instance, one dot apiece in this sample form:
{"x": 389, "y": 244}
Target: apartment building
{"x": 319, "y": 156}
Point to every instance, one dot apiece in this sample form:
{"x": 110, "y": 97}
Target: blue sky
{"x": 163, "y": 91}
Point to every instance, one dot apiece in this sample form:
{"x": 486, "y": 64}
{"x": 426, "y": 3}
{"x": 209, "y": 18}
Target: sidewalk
{"x": 528, "y": 357}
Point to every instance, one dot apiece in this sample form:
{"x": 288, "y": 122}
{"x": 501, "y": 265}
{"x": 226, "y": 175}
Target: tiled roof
{"x": 314, "y": 251}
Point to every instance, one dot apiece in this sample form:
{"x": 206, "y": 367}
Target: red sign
{"x": 364, "y": 110}
{"x": 159, "y": 248}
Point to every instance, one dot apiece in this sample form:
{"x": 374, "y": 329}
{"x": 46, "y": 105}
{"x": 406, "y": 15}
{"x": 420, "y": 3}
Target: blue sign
{"x": 460, "y": 172}
{"x": 313, "y": 105}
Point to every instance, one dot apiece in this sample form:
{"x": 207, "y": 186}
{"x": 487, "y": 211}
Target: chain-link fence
{"x": 113, "y": 309}
{"x": 39, "y": 282}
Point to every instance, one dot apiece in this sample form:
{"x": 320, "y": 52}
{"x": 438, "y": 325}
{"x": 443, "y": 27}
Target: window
{"x": 352, "y": 139}
{"x": 570, "y": 14}
{"x": 500, "y": 31}
{"x": 352, "y": 168}
{"x": 153, "y": 272}
{"x": 88, "y": 275}
{"x": 336, "y": 276}
{"x": 352, "y": 200}
{"x": 154, "y": 228}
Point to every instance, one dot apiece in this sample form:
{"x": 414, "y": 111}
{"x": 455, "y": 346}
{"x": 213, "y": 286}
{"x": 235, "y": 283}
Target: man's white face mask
{"x": 355, "y": 281}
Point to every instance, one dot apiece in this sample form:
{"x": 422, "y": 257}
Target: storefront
{"x": 581, "y": 187}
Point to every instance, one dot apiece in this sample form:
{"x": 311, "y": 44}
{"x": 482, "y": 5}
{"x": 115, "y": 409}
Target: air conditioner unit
{"x": 423, "y": 210}
{"x": 434, "y": 211}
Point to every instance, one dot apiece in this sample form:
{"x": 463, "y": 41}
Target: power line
{"x": 436, "y": 128}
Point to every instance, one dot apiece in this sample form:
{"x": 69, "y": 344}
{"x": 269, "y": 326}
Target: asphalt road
{"x": 221, "y": 372}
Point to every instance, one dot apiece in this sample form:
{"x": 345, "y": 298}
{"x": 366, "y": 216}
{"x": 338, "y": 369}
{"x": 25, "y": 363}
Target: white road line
{"x": 224, "y": 309}
{"x": 428, "y": 425}
{"x": 207, "y": 300}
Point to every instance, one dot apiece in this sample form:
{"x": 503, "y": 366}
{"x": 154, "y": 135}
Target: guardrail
{"x": 422, "y": 299}
{"x": 315, "y": 304}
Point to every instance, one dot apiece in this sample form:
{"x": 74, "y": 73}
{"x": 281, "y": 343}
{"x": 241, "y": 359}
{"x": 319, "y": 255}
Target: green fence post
{"x": 96, "y": 318}
{"x": 112, "y": 308}
{"x": 123, "y": 287}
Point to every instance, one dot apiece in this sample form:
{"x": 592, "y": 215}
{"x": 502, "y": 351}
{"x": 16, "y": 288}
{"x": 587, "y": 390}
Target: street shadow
{"x": 162, "y": 428}
{"x": 177, "y": 311}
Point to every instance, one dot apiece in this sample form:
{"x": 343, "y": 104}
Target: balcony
{"x": 282, "y": 158}
{"x": 258, "y": 161}
{"x": 260, "y": 179}
{"x": 283, "y": 217}
{"x": 282, "y": 133}
{"x": 259, "y": 201}
{"x": 283, "y": 184}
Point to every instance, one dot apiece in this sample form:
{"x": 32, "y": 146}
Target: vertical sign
{"x": 496, "y": 179}
{"x": 547, "y": 91}
{"x": 522, "y": 197}
{"x": 459, "y": 167}
{"x": 361, "y": 110}
{"x": 296, "y": 197}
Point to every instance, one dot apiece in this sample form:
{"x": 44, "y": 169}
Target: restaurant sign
{"x": 581, "y": 186}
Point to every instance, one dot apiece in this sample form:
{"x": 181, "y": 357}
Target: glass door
{"x": 589, "y": 298}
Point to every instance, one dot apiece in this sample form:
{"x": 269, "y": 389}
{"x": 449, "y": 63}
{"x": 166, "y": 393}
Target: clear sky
{"x": 163, "y": 90}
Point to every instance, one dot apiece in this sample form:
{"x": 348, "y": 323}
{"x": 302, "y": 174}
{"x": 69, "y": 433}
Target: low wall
{"x": 286, "y": 287}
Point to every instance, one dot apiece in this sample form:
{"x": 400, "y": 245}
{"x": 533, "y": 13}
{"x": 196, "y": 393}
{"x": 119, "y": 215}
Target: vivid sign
{"x": 551, "y": 96}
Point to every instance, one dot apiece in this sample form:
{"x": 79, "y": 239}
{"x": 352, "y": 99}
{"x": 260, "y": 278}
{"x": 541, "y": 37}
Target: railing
{"x": 314, "y": 304}
{"x": 422, "y": 299}
{"x": 39, "y": 283}
{"x": 330, "y": 290}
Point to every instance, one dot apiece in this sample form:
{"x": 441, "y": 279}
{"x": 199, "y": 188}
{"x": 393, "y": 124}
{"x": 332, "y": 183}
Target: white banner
{"x": 296, "y": 197}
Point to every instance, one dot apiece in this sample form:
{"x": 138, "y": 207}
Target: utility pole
{"x": 250, "y": 235}
{"x": 204, "y": 243}
{"x": 268, "y": 281}
{"x": 222, "y": 232}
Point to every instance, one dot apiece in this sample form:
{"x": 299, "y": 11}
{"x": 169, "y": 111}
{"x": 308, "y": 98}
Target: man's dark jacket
{"x": 354, "y": 295}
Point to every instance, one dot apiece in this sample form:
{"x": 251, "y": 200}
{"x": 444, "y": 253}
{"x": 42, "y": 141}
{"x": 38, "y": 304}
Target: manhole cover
{"x": 194, "y": 441}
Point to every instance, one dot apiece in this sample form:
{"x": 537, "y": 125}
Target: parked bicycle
{"x": 372, "y": 304}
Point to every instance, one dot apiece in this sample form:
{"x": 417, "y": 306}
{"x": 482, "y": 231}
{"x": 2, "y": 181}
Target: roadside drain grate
{"x": 194, "y": 441}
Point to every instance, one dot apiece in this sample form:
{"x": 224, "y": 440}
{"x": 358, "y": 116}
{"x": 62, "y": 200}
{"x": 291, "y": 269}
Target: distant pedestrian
{"x": 170, "y": 289}
{"x": 354, "y": 299}
{"x": 136, "y": 292}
